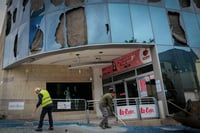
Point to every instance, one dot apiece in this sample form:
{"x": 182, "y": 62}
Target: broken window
{"x": 37, "y": 7}
{"x": 36, "y": 44}
{"x": 178, "y": 33}
{"x": 74, "y": 2}
{"x": 59, "y": 34}
{"x": 8, "y": 23}
{"x": 184, "y": 3}
{"x": 56, "y": 2}
{"x": 54, "y": 5}
{"x": 76, "y": 27}
{"x": 24, "y": 4}
{"x": 14, "y": 15}
{"x": 15, "y": 46}
{"x": 9, "y": 3}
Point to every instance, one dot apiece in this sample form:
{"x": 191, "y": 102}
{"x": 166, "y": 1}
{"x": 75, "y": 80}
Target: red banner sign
{"x": 130, "y": 60}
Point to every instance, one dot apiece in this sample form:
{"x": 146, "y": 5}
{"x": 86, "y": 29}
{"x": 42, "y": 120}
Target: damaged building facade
{"x": 81, "y": 48}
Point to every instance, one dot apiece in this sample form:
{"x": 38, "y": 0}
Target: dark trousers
{"x": 105, "y": 114}
{"x": 48, "y": 109}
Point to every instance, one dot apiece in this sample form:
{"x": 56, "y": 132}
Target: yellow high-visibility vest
{"x": 46, "y": 99}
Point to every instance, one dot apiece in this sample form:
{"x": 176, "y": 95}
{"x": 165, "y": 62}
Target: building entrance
{"x": 144, "y": 86}
{"x": 131, "y": 85}
{"x": 70, "y": 92}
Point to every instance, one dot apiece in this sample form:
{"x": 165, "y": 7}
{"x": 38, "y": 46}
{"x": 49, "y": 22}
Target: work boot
{"x": 106, "y": 126}
{"x": 38, "y": 130}
{"x": 50, "y": 128}
{"x": 102, "y": 126}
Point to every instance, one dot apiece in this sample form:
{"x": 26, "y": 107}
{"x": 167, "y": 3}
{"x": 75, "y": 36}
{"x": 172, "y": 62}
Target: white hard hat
{"x": 37, "y": 89}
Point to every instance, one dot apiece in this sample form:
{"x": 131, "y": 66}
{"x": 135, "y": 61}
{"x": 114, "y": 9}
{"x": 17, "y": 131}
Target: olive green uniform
{"x": 105, "y": 103}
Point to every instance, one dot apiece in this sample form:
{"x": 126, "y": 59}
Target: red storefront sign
{"x": 107, "y": 71}
{"x": 148, "y": 111}
{"x": 131, "y": 111}
{"x": 131, "y": 60}
{"x": 127, "y": 112}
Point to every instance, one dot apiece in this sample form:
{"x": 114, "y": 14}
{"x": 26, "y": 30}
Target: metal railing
{"x": 144, "y": 108}
{"x": 22, "y": 109}
{"x": 67, "y": 109}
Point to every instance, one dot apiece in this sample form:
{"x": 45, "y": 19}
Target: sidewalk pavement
{"x": 150, "y": 125}
{"x": 168, "y": 121}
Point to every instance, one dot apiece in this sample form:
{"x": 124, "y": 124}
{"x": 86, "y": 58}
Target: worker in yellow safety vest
{"x": 44, "y": 99}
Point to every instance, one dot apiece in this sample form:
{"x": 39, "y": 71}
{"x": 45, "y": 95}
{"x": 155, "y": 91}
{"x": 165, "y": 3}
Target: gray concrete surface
{"x": 82, "y": 127}
{"x": 72, "y": 128}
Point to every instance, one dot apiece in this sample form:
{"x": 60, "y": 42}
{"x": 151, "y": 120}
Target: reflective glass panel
{"x": 179, "y": 72}
{"x": 138, "y": 1}
{"x": 192, "y": 29}
{"x": 54, "y": 31}
{"x": 198, "y": 20}
{"x": 7, "y": 51}
{"x": 167, "y": 62}
{"x": 120, "y": 23}
{"x": 172, "y": 4}
{"x": 23, "y": 47}
{"x": 24, "y": 12}
{"x": 161, "y": 28}
{"x": 141, "y": 24}
{"x": 14, "y": 39}
{"x": 98, "y": 25}
{"x": 197, "y": 52}
{"x": 118, "y": 1}
{"x": 159, "y": 3}
{"x": 186, "y": 69}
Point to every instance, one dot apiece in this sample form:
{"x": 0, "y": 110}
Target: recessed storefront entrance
{"x": 133, "y": 85}
{"x": 73, "y": 93}
{"x": 70, "y": 90}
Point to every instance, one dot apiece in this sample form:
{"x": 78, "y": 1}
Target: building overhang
{"x": 81, "y": 56}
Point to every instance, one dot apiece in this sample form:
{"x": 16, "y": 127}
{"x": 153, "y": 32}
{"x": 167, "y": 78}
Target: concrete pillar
{"x": 97, "y": 88}
{"x": 158, "y": 76}
{"x": 161, "y": 109}
{"x": 2, "y": 13}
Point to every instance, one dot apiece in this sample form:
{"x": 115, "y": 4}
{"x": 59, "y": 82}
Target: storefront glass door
{"x": 120, "y": 91}
{"x": 120, "y": 94}
{"x": 132, "y": 88}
